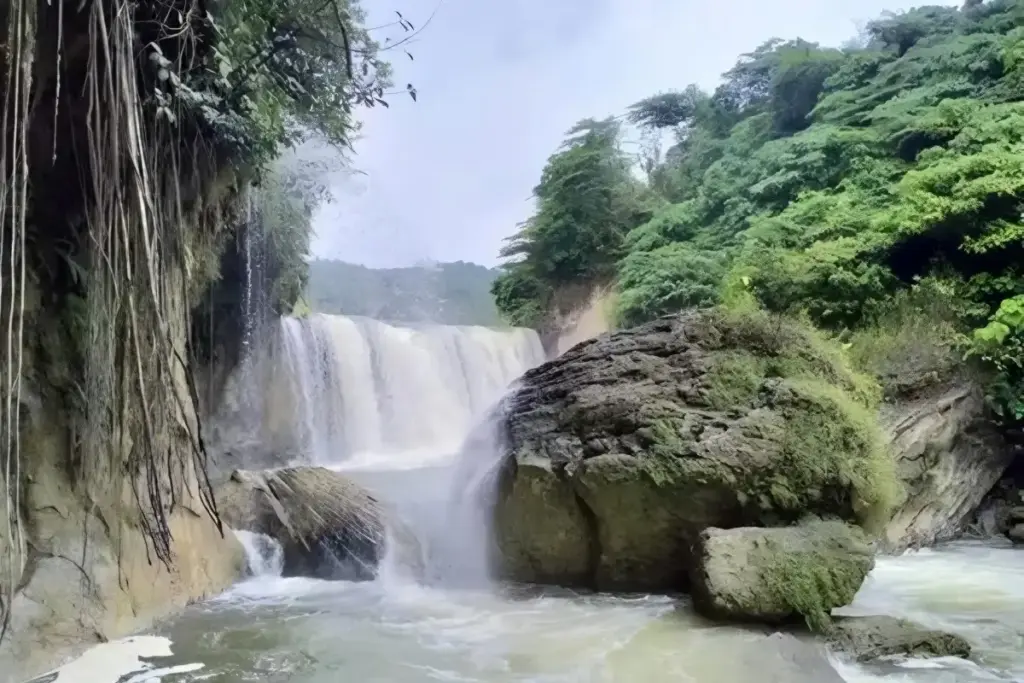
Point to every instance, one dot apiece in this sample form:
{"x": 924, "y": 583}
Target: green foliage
{"x": 277, "y": 73}
{"x": 449, "y": 293}
{"x": 913, "y": 339}
{"x": 877, "y": 190}
{"x": 667, "y": 279}
{"x": 1000, "y": 344}
{"x": 284, "y": 203}
{"x": 587, "y": 201}
{"x": 521, "y": 297}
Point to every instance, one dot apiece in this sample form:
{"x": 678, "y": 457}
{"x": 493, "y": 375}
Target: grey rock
{"x": 328, "y": 526}
{"x": 622, "y": 450}
{"x": 867, "y": 638}
{"x": 1016, "y": 515}
{"x": 776, "y": 575}
{"x": 949, "y": 455}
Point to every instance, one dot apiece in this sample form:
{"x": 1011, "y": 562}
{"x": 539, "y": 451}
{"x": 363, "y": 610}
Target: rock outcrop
{"x": 328, "y": 526}
{"x": 777, "y": 575}
{"x": 90, "y": 576}
{"x": 624, "y": 449}
{"x": 949, "y": 455}
{"x": 867, "y": 638}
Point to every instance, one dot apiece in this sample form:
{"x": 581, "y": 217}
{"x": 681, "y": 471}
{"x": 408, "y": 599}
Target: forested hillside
{"x": 450, "y": 293}
{"x": 858, "y": 186}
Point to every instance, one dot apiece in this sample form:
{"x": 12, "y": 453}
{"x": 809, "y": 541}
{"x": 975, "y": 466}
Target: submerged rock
{"x": 621, "y": 451}
{"x": 867, "y": 638}
{"x": 765, "y": 658}
{"x": 774, "y": 575}
{"x": 328, "y": 526}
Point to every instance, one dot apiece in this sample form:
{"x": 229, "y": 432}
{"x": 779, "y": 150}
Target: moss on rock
{"x": 815, "y": 579}
{"x": 835, "y": 439}
{"x": 776, "y": 575}
{"x": 710, "y": 418}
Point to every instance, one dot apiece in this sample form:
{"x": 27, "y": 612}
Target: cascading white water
{"x": 264, "y": 556}
{"x": 339, "y": 389}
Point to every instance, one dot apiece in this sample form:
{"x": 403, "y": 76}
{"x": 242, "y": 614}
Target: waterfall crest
{"x": 327, "y": 389}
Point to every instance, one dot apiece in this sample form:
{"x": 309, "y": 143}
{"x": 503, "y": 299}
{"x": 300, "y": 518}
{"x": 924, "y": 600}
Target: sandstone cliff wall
{"x": 86, "y": 571}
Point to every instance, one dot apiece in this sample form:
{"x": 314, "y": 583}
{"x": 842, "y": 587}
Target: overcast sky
{"x": 500, "y": 81}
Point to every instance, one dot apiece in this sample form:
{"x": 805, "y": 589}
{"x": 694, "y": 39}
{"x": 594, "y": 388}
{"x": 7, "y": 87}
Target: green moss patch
{"x": 816, "y": 579}
{"x": 833, "y": 445}
{"x": 833, "y": 455}
{"x": 748, "y": 347}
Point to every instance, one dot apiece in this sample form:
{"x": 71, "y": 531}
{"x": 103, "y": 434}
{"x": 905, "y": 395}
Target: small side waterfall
{"x": 263, "y": 555}
{"x": 328, "y": 389}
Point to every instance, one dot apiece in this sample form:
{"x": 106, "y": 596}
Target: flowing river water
{"x": 388, "y": 406}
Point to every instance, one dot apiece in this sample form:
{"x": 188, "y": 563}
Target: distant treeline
{"x": 450, "y": 293}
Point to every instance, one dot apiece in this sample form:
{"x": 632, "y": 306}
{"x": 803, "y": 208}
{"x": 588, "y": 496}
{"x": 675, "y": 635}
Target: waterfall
{"x": 263, "y": 555}
{"x": 332, "y": 389}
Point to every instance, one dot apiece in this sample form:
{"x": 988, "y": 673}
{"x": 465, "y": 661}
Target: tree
{"x": 587, "y": 200}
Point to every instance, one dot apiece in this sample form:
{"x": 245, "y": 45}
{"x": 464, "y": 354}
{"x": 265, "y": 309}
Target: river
{"x": 453, "y": 624}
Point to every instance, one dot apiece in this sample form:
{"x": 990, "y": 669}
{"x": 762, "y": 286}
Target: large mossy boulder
{"x": 781, "y": 574}
{"x": 328, "y": 526}
{"x": 621, "y": 451}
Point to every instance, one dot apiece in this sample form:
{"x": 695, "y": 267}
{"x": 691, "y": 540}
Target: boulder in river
{"x": 867, "y": 638}
{"x": 775, "y": 575}
{"x": 620, "y": 452}
{"x": 328, "y": 526}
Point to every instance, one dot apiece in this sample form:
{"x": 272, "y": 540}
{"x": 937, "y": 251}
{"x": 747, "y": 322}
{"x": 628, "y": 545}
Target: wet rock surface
{"x": 621, "y": 451}
{"x": 869, "y": 638}
{"x": 778, "y": 575}
{"x": 328, "y": 526}
{"x": 948, "y": 455}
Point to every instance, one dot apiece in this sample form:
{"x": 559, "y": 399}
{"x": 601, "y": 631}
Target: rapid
{"x": 392, "y": 406}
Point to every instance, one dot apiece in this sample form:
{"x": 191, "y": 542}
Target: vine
{"x": 162, "y": 112}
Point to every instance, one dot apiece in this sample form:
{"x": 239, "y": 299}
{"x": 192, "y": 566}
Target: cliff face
{"x": 87, "y": 570}
{"x": 119, "y": 198}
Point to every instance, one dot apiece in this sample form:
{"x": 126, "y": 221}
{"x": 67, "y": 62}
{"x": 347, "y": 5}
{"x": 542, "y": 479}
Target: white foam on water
{"x": 117, "y": 661}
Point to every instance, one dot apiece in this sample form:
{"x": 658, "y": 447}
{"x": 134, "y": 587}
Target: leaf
{"x": 383, "y": 103}
{"x": 994, "y": 332}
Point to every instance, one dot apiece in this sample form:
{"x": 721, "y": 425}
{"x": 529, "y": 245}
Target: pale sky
{"x": 500, "y": 82}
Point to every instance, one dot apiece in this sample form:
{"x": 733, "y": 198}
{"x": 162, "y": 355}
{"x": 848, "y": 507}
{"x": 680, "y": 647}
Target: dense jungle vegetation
{"x": 455, "y": 293}
{"x": 876, "y": 189}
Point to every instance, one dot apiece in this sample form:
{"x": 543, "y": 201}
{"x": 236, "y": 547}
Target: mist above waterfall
{"x": 328, "y": 389}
